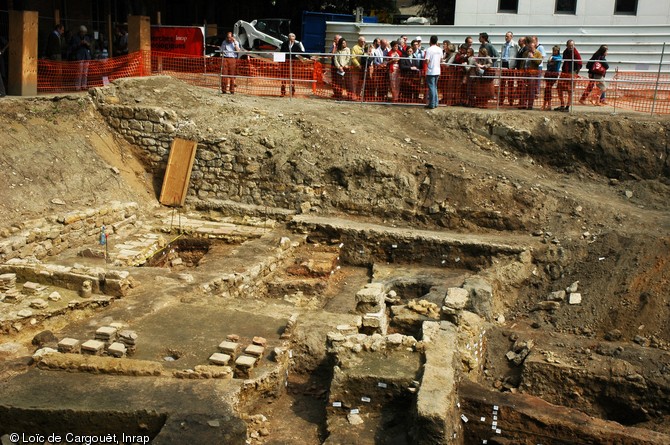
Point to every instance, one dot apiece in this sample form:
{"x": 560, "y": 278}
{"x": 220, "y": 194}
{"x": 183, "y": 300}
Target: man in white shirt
{"x": 508, "y": 54}
{"x": 433, "y": 59}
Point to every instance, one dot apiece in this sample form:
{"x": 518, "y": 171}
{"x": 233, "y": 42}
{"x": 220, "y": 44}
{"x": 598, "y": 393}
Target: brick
{"x": 92, "y": 347}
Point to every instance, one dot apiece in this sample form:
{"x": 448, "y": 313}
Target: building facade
{"x": 562, "y": 12}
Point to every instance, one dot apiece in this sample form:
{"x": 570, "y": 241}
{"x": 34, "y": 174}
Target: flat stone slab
{"x": 260, "y": 341}
{"x": 219, "y": 359}
{"x": 245, "y": 361}
{"x": 457, "y": 298}
{"x": 229, "y": 347}
{"x": 117, "y": 349}
{"x": 69, "y": 345}
{"x": 254, "y": 350}
{"x": 106, "y": 331}
{"x": 93, "y": 346}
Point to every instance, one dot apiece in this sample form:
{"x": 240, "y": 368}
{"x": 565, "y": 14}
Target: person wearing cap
{"x": 80, "y": 48}
{"x": 419, "y": 51}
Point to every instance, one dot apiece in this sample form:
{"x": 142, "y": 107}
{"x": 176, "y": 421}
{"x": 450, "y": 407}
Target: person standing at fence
{"x": 380, "y": 71}
{"x": 508, "y": 53}
{"x": 520, "y": 88}
{"x": 572, "y": 64}
{"x": 54, "y": 49}
{"x": 80, "y": 48}
{"x": 230, "y": 51}
{"x": 433, "y": 59}
{"x": 293, "y": 49}
{"x": 597, "y": 67}
{"x": 342, "y": 80}
{"x": 531, "y": 65}
{"x": 551, "y": 75}
{"x": 121, "y": 42}
{"x": 490, "y": 50}
{"x": 357, "y": 66}
{"x": 394, "y": 69}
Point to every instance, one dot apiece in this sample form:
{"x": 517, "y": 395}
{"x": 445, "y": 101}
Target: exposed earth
{"x": 554, "y": 199}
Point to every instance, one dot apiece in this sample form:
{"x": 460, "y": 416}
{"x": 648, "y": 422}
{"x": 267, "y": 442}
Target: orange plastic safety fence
{"x": 394, "y": 81}
{"x": 646, "y": 92}
{"x": 53, "y": 76}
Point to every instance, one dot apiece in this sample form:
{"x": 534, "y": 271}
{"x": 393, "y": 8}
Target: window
{"x": 566, "y": 6}
{"x": 626, "y": 7}
{"x": 511, "y": 6}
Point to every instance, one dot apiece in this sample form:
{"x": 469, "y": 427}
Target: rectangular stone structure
{"x": 229, "y": 347}
{"x": 245, "y": 361}
{"x": 93, "y": 347}
{"x": 71, "y": 345}
{"x": 117, "y": 349}
{"x": 254, "y": 350}
{"x": 219, "y": 359}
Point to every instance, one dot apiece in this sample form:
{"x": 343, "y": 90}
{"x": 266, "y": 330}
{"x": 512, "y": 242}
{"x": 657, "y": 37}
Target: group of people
{"x": 465, "y": 75}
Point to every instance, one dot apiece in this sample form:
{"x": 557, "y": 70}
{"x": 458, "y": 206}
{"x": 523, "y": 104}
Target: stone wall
{"x": 51, "y": 235}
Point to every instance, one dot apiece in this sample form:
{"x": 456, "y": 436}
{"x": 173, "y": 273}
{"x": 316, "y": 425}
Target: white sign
{"x": 365, "y": 399}
{"x": 337, "y": 404}
{"x": 382, "y": 385}
{"x": 279, "y": 57}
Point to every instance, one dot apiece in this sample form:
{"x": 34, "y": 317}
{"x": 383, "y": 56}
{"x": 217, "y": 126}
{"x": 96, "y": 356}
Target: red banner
{"x": 186, "y": 40}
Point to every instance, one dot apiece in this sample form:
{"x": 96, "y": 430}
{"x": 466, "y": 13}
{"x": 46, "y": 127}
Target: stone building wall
{"x": 51, "y": 235}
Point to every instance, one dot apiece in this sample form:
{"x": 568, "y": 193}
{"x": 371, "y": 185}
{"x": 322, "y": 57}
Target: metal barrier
{"x": 394, "y": 81}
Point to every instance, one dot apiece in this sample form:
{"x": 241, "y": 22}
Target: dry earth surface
{"x": 588, "y": 191}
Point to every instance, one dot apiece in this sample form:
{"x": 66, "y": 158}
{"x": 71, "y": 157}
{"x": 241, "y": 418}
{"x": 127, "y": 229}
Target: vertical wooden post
{"x": 22, "y": 53}
{"x": 56, "y": 16}
{"x": 139, "y": 39}
{"x": 158, "y": 18}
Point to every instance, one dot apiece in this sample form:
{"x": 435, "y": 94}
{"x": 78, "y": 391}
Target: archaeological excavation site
{"x": 310, "y": 272}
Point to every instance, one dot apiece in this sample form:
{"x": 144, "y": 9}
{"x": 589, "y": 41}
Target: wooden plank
{"x": 22, "y": 53}
{"x": 178, "y": 172}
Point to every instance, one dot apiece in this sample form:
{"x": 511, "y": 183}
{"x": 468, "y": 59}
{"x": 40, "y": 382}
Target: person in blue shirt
{"x": 551, "y": 75}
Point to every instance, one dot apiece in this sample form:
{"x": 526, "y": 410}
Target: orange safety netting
{"x": 646, "y": 92}
{"x": 53, "y": 76}
{"x": 392, "y": 82}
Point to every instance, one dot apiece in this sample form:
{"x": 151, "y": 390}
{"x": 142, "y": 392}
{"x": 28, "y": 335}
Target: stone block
{"x": 71, "y": 345}
{"x": 219, "y": 359}
{"x": 260, "y": 341}
{"x": 456, "y": 298}
{"x": 254, "y": 350}
{"x": 93, "y": 347}
{"x": 371, "y": 295}
{"x": 106, "y": 332}
{"x": 229, "y": 347}
{"x": 245, "y": 361}
{"x": 575, "y": 298}
{"x": 117, "y": 349}
{"x": 38, "y": 303}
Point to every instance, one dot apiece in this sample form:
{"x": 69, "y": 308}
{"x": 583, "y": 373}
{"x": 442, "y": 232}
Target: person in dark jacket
{"x": 80, "y": 50}
{"x": 572, "y": 64}
{"x": 293, "y": 49}
{"x": 597, "y": 67}
{"x": 54, "y": 49}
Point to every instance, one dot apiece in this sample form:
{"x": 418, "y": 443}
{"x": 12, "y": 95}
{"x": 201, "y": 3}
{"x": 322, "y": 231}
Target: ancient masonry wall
{"x": 51, "y": 235}
{"x": 223, "y": 169}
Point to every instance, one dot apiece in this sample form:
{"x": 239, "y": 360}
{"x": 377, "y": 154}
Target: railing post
{"x": 658, "y": 79}
{"x": 221, "y": 75}
{"x": 500, "y": 68}
{"x": 290, "y": 74}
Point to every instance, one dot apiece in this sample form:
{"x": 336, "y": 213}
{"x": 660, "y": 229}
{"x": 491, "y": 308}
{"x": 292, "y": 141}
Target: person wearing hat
{"x": 421, "y": 51}
{"x": 80, "y": 48}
